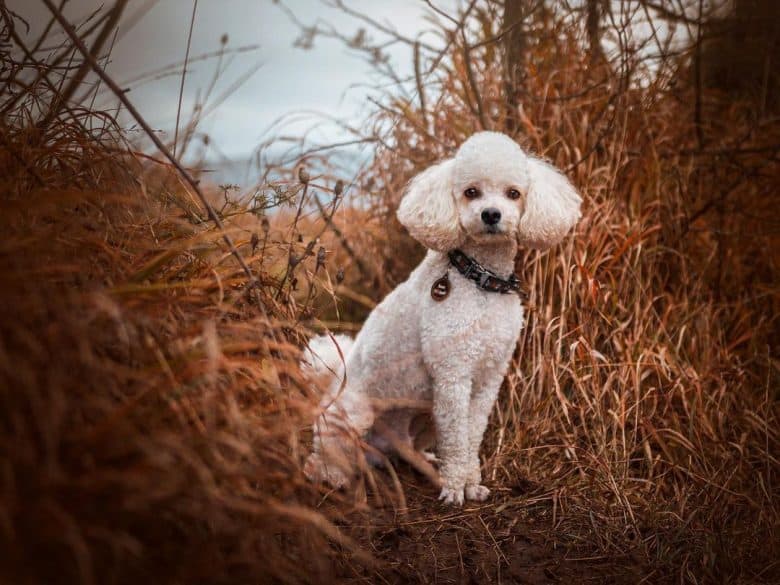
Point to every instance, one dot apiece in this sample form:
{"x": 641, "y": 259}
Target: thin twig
{"x": 9, "y": 105}
{"x": 698, "y": 72}
{"x": 420, "y": 89}
{"x": 473, "y": 82}
{"x": 184, "y": 75}
{"x": 291, "y": 264}
{"x": 328, "y": 218}
{"x": 91, "y": 54}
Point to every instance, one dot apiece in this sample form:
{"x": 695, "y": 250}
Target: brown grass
{"x": 153, "y": 418}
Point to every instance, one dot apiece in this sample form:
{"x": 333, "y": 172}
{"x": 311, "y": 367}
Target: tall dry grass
{"x": 151, "y": 406}
{"x": 152, "y": 413}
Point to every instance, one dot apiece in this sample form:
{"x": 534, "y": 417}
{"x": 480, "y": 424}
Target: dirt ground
{"x": 508, "y": 539}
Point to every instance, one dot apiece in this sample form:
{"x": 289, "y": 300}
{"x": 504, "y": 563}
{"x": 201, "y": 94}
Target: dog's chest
{"x": 472, "y": 320}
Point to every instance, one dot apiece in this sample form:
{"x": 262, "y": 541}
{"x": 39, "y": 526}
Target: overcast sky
{"x": 289, "y": 79}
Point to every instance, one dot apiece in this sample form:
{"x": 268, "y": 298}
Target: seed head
{"x": 339, "y": 188}
{"x": 340, "y": 275}
{"x": 303, "y": 175}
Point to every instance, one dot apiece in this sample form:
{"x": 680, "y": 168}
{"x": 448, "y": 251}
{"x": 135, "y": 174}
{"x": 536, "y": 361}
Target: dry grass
{"x": 153, "y": 418}
{"x": 150, "y": 413}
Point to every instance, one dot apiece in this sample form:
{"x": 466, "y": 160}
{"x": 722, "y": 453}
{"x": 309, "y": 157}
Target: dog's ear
{"x": 552, "y": 206}
{"x": 428, "y": 209}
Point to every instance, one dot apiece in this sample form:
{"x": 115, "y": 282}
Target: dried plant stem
{"x": 184, "y": 75}
{"x": 408, "y": 453}
{"x": 328, "y": 218}
{"x": 290, "y": 262}
{"x": 420, "y": 89}
{"x": 483, "y": 121}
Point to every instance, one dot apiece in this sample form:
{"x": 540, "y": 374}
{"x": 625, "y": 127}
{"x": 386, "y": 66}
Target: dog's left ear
{"x": 552, "y": 206}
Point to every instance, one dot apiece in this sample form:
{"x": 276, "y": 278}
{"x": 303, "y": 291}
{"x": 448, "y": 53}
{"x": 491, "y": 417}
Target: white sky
{"x": 289, "y": 80}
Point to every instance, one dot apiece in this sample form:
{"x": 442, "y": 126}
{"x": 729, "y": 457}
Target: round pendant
{"x": 441, "y": 289}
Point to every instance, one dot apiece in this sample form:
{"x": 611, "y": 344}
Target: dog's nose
{"x": 491, "y": 216}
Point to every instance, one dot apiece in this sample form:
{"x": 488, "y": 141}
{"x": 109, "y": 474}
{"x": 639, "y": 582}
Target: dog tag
{"x": 441, "y": 289}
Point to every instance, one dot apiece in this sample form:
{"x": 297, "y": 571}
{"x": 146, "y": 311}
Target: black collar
{"x": 486, "y": 279}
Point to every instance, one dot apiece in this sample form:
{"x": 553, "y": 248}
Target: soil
{"x": 508, "y": 539}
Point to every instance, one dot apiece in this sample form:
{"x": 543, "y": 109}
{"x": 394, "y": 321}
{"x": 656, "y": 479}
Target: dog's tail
{"x": 324, "y": 359}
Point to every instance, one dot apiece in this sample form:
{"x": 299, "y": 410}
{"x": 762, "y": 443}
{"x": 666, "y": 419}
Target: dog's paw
{"x": 477, "y": 492}
{"x": 451, "y": 496}
{"x": 317, "y": 471}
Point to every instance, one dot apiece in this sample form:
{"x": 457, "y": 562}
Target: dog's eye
{"x": 471, "y": 193}
{"x": 513, "y": 194}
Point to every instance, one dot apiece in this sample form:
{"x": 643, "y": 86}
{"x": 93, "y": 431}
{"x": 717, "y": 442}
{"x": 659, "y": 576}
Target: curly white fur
{"x": 325, "y": 356}
{"x": 452, "y": 354}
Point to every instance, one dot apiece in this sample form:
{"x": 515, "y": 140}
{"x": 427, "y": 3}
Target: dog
{"x": 444, "y": 337}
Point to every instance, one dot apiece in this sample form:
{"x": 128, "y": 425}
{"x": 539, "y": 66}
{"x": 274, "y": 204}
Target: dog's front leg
{"x": 479, "y": 410}
{"x": 451, "y": 396}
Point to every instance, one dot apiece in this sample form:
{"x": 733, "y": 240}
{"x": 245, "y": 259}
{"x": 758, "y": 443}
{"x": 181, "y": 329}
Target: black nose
{"x": 491, "y": 216}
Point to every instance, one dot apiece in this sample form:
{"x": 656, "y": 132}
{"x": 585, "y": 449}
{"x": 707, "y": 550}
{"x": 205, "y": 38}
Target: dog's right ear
{"x": 428, "y": 209}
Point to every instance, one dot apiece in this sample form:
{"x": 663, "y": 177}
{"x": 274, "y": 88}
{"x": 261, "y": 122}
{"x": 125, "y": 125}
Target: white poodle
{"x": 445, "y": 336}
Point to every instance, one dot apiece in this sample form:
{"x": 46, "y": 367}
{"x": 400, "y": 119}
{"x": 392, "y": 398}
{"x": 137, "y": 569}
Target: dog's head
{"x": 490, "y": 190}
